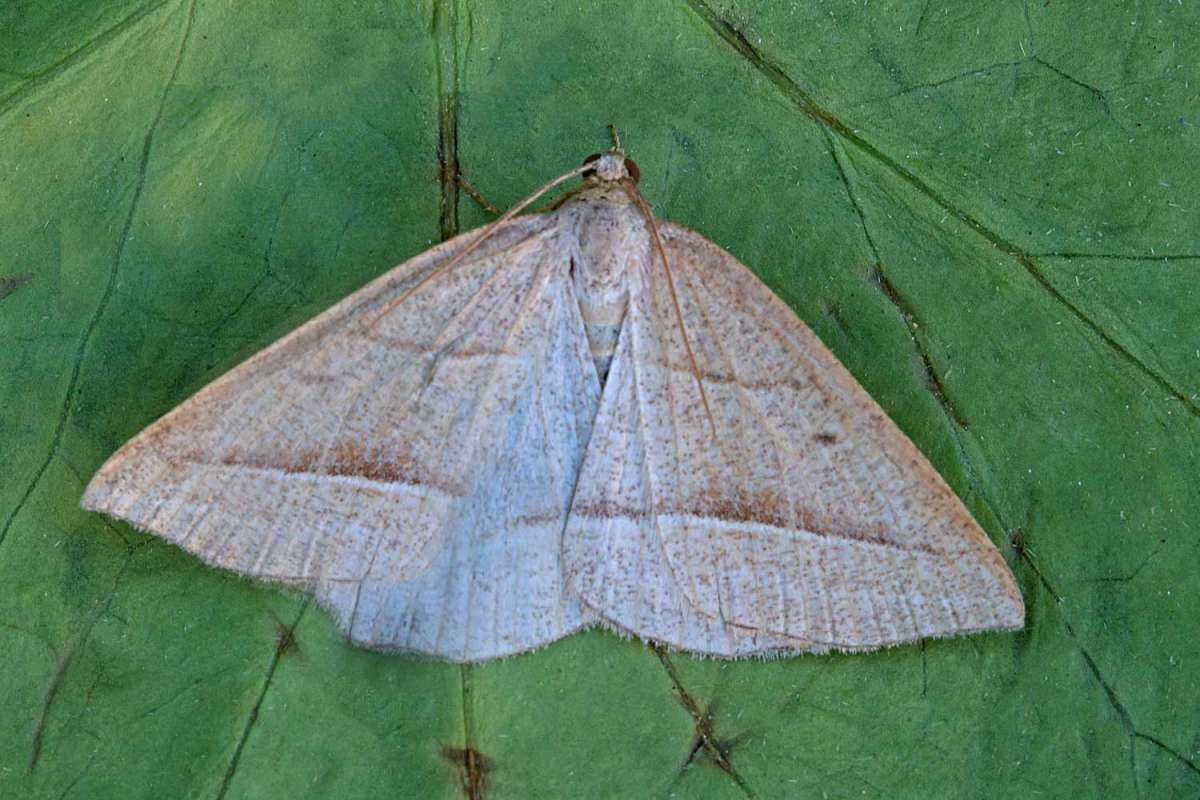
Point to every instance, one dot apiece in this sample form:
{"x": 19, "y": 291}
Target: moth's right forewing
{"x": 613, "y": 551}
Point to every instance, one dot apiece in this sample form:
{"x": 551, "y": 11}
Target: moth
{"x": 577, "y": 417}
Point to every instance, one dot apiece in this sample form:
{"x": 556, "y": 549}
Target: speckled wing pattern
{"x": 792, "y": 516}
{"x": 436, "y": 459}
{"x": 409, "y": 455}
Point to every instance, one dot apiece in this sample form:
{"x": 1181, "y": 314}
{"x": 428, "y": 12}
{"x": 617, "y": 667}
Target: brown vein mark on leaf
{"x": 921, "y": 20}
{"x": 705, "y": 743}
{"x": 1029, "y": 22}
{"x": 474, "y": 766}
{"x": 193, "y": 685}
{"x": 1110, "y": 693}
{"x": 65, "y": 661}
{"x": 38, "y": 79}
{"x": 285, "y": 638}
{"x": 924, "y": 671}
{"x": 79, "y": 776}
{"x": 56, "y": 680}
{"x": 445, "y": 32}
{"x": 283, "y": 643}
{"x": 268, "y": 271}
{"x": 1127, "y": 577}
{"x": 1099, "y": 94}
{"x": 1117, "y": 706}
{"x": 105, "y": 296}
{"x": 12, "y": 283}
{"x": 808, "y": 106}
{"x": 986, "y": 69}
{"x": 1071, "y": 255}
{"x": 1113, "y": 700}
{"x": 1022, "y": 550}
{"x": 1154, "y": 740}
{"x": 932, "y": 380}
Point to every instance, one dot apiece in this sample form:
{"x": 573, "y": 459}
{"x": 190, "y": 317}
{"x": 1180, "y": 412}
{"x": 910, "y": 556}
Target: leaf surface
{"x": 987, "y": 210}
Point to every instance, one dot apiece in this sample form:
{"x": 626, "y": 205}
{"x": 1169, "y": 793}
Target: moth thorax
{"x": 611, "y": 241}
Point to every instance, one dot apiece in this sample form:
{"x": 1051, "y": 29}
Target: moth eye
{"x": 632, "y": 169}
{"x": 587, "y": 173}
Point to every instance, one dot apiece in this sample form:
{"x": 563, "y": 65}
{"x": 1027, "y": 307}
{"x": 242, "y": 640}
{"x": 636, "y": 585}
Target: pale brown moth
{"x": 584, "y": 416}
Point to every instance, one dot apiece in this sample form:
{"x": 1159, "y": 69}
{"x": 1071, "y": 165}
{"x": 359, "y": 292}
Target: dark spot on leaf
{"x": 474, "y": 767}
{"x": 10, "y": 284}
{"x": 705, "y": 746}
{"x": 834, "y": 312}
{"x": 285, "y": 639}
{"x": 825, "y": 438}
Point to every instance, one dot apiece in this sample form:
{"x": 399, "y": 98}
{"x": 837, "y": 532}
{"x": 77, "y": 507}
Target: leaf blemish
{"x": 474, "y": 766}
{"x": 10, "y": 284}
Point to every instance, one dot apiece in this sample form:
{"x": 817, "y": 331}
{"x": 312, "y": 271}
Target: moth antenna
{"x": 484, "y": 234}
{"x": 643, "y": 207}
{"x": 616, "y": 137}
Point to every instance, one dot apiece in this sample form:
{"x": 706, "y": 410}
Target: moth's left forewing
{"x": 792, "y": 510}
{"x": 409, "y": 454}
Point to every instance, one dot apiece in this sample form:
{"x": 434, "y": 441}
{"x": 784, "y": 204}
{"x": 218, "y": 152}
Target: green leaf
{"x": 988, "y": 211}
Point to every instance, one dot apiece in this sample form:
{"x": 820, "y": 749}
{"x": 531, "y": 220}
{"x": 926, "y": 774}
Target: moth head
{"x": 611, "y": 167}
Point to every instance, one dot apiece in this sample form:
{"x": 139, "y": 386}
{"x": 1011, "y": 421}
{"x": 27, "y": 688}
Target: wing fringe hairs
{"x": 562, "y": 419}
